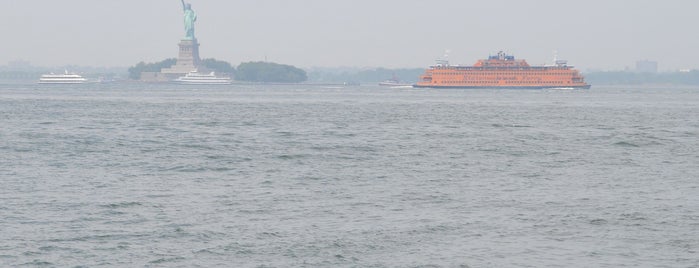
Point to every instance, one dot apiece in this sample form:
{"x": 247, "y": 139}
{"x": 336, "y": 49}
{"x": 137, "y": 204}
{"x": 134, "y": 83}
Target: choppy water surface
{"x": 294, "y": 176}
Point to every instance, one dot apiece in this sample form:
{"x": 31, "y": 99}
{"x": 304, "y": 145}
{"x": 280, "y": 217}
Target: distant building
{"x": 646, "y": 66}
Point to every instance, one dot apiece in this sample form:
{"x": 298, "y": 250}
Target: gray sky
{"x": 591, "y": 34}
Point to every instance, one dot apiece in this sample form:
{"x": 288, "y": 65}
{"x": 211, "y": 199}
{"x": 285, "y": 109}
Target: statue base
{"x": 187, "y": 61}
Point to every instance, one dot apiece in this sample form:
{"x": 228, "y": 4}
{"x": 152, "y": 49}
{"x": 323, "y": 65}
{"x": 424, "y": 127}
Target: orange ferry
{"x": 502, "y": 71}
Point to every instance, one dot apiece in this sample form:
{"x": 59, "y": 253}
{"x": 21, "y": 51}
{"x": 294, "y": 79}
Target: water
{"x": 303, "y": 176}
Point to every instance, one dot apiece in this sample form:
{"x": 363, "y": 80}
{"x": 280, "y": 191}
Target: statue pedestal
{"x": 187, "y": 61}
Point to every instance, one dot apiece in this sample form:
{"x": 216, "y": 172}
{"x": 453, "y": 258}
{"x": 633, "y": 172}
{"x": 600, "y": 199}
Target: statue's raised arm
{"x": 183, "y": 6}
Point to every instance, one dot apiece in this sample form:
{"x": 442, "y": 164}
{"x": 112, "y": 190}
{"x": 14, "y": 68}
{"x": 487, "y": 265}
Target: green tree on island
{"x": 218, "y": 66}
{"x": 269, "y": 72}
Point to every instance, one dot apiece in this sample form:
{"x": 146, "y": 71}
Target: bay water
{"x": 134, "y": 175}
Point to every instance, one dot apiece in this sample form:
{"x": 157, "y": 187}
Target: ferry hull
{"x": 207, "y": 83}
{"x": 60, "y": 83}
{"x": 503, "y": 87}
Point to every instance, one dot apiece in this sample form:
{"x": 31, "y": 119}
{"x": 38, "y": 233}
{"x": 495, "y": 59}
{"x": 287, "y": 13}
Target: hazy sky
{"x": 591, "y": 34}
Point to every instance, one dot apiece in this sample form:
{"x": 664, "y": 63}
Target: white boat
{"x": 66, "y": 78}
{"x": 196, "y": 78}
{"x": 393, "y": 82}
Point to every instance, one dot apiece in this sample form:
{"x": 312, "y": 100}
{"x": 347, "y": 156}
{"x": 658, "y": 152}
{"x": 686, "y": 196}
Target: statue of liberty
{"x": 189, "y": 18}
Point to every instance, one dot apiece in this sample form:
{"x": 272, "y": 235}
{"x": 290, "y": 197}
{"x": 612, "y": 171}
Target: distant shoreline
{"x": 348, "y": 78}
